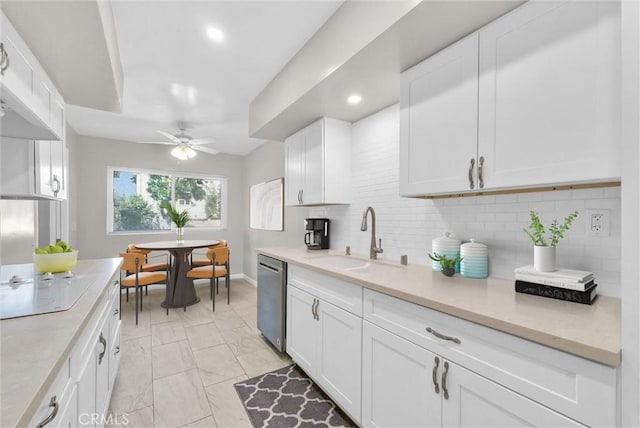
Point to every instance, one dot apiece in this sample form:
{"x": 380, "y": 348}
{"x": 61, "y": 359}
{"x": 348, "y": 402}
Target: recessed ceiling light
{"x": 215, "y": 34}
{"x": 354, "y": 99}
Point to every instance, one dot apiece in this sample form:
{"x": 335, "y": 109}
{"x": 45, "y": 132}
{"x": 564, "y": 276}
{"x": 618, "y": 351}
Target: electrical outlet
{"x": 598, "y": 222}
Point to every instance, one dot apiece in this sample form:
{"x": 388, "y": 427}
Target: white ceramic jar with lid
{"x": 445, "y": 246}
{"x": 475, "y": 259}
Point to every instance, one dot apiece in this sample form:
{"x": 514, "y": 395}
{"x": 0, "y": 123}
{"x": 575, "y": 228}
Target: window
{"x": 135, "y": 198}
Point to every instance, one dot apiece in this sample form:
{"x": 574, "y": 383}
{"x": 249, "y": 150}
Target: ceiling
{"x": 138, "y": 66}
{"x": 173, "y": 72}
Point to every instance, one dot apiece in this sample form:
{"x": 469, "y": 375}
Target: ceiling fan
{"x": 185, "y": 145}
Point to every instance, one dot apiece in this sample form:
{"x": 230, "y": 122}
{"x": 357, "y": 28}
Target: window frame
{"x": 173, "y": 175}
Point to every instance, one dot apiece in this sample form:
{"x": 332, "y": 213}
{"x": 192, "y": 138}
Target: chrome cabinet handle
{"x": 436, "y": 363}
{"x": 2, "y": 56}
{"x": 117, "y": 351}
{"x": 103, "y": 341}
{"x": 442, "y": 336}
{"x": 313, "y": 308}
{"x": 5, "y": 59}
{"x": 301, "y": 196}
{"x": 471, "y": 165}
{"x": 51, "y": 416}
{"x": 58, "y": 186}
{"x": 480, "y": 165}
{"x": 317, "y": 314}
{"x": 445, "y": 391}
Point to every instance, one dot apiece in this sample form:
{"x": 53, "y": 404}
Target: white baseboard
{"x": 246, "y": 278}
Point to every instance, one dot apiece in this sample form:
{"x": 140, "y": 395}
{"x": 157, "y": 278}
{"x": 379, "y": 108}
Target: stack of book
{"x": 564, "y": 284}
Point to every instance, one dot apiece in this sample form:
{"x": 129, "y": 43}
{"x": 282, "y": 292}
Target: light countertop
{"x": 34, "y": 348}
{"x": 589, "y": 331}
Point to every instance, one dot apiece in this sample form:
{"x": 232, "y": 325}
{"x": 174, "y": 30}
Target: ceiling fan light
{"x": 183, "y": 152}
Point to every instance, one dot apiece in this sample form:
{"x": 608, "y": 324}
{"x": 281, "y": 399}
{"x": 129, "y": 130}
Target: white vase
{"x": 180, "y": 235}
{"x": 544, "y": 258}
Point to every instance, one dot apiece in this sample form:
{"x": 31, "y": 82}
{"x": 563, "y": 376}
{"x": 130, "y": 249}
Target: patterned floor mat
{"x": 287, "y": 398}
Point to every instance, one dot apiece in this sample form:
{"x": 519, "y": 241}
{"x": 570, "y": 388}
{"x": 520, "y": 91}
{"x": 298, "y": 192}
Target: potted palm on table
{"x": 180, "y": 219}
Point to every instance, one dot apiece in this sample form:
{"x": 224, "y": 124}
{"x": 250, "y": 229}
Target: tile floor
{"x": 179, "y": 370}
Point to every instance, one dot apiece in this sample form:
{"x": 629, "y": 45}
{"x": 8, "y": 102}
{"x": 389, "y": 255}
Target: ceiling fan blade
{"x": 156, "y": 142}
{"x": 202, "y": 141}
{"x": 204, "y": 149}
{"x": 169, "y": 136}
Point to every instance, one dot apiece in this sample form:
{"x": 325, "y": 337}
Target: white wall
{"x": 407, "y": 226}
{"x": 263, "y": 164}
{"x": 89, "y": 222}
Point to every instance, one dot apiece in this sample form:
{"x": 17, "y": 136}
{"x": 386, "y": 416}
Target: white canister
{"x": 447, "y": 246}
{"x": 475, "y": 260}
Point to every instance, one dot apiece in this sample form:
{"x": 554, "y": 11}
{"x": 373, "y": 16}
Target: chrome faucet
{"x": 373, "y": 250}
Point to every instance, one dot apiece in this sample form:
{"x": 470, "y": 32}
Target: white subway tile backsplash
{"x": 407, "y": 225}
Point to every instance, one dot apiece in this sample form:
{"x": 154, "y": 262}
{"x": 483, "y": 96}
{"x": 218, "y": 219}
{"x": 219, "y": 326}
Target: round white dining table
{"x": 180, "y": 289}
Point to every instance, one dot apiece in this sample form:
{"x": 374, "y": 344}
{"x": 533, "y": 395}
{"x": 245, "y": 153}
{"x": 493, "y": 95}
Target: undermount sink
{"x": 351, "y": 264}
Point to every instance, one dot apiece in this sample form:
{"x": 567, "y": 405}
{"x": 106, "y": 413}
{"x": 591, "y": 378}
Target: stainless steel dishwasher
{"x": 272, "y": 300}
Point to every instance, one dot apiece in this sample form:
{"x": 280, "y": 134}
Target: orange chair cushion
{"x": 144, "y": 278}
{"x": 205, "y": 272}
{"x": 150, "y": 267}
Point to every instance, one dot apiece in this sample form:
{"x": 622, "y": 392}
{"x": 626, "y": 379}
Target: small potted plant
{"x": 179, "y": 218}
{"x": 448, "y": 263}
{"x": 544, "y": 251}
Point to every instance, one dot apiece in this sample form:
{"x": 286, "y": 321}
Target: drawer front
{"x": 114, "y": 356}
{"x": 61, "y": 389}
{"x": 342, "y": 294}
{"x": 86, "y": 344}
{"x": 574, "y": 386}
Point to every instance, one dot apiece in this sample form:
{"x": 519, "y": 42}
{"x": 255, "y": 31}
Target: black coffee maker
{"x": 317, "y": 236}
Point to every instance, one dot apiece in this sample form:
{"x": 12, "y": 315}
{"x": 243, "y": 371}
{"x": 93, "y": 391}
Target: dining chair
{"x": 132, "y": 263}
{"x": 204, "y": 260}
{"x": 217, "y": 268}
{"x": 163, "y": 265}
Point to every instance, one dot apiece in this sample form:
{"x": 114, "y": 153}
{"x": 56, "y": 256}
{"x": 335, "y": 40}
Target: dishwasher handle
{"x": 271, "y": 268}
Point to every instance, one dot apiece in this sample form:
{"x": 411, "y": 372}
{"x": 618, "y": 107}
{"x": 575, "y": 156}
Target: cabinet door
{"x": 313, "y": 189}
{"x": 397, "y": 382}
{"x": 474, "y": 401}
{"x": 549, "y": 95}
{"x": 58, "y": 169}
{"x": 294, "y": 168}
{"x": 19, "y": 77}
{"x": 340, "y": 357}
{"x": 102, "y": 369}
{"x": 43, "y": 171}
{"x": 86, "y": 385}
{"x": 439, "y": 121}
{"x": 68, "y": 416}
{"x": 302, "y": 329}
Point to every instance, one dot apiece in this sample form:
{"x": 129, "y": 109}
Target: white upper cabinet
{"x": 34, "y": 170}
{"x": 535, "y": 106}
{"x": 317, "y": 164}
{"x": 439, "y": 121}
{"x": 34, "y": 107}
{"x": 550, "y": 95}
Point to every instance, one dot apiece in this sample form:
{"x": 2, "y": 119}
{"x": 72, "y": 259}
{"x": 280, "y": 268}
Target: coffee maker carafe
{"x": 317, "y": 235}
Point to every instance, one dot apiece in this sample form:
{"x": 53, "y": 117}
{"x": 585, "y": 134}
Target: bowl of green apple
{"x": 59, "y": 257}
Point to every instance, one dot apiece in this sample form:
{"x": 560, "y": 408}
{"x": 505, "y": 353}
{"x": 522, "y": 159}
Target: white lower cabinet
{"x": 406, "y": 385}
{"x": 98, "y": 356}
{"x": 413, "y": 354}
{"x": 81, "y": 391}
{"x": 397, "y": 388}
{"x": 325, "y": 341}
{"x": 391, "y": 363}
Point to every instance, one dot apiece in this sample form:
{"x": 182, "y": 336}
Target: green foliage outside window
{"x": 133, "y": 213}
